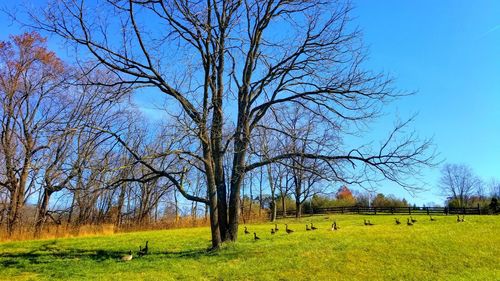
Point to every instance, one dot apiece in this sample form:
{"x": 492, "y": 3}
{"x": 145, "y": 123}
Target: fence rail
{"x": 387, "y": 210}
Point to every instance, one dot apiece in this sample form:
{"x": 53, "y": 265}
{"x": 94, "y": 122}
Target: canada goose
{"x": 413, "y": 220}
{"x": 334, "y": 226}
{"x": 276, "y": 228}
{"x": 366, "y": 223}
{"x": 141, "y": 252}
{"x": 307, "y": 227}
{"x": 458, "y": 218}
{"x": 272, "y": 231}
{"x": 369, "y": 223}
{"x": 255, "y": 237}
{"x": 409, "y": 223}
{"x": 463, "y": 218}
{"x": 397, "y": 221}
{"x": 432, "y": 219}
{"x": 127, "y": 257}
{"x": 146, "y": 248}
{"x": 313, "y": 227}
{"x": 288, "y": 230}
{"x": 246, "y": 230}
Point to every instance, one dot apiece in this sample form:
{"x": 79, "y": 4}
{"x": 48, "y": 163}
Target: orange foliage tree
{"x": 345, "y": 194}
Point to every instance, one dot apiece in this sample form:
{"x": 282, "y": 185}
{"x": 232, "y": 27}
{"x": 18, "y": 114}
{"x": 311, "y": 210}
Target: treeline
{"x": 60, "y": 163}
{"x": 344, "y": 197}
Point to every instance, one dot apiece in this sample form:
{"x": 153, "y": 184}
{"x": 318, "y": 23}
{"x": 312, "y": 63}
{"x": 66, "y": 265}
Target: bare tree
{"x": 459, "y": 182}
{"x": 234, "y": 54}
{"x": 31, "y": 82}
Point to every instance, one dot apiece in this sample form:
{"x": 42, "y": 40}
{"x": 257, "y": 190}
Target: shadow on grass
{"x": 50, "y": 252}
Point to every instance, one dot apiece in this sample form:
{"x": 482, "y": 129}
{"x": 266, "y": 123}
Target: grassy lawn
{"x": 440, "y": 250}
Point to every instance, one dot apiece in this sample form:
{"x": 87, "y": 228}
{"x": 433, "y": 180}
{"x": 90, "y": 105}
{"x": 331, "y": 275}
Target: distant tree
{"x": 494, "y": 205}
{"x": 344, "y": 193}
{"x": 345, "y": 196}
{"x": 382, "y": 200}
{"x": 362, "y": 199}
{"x": 494, "y": 186}
{"x": 459, "y": 183}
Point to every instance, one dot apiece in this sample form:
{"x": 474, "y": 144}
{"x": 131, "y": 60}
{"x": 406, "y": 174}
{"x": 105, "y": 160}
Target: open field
{"x": 440, "y": 250}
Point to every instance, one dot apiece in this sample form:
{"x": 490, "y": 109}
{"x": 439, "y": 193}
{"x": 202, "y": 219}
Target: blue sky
{"x": 446, "y": 51}
{"x": 449, "y": 52}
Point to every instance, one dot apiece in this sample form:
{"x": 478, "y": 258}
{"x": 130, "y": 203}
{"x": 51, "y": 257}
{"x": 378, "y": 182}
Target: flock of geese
{"x": 410, "y": 221}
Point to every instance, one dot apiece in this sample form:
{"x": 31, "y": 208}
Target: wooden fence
{"x": 387, "y": 211}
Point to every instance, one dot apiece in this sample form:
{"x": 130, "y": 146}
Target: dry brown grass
{"x": 53, "y": 231}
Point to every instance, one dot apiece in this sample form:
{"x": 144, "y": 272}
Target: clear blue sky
{"x": 447, "y": 51}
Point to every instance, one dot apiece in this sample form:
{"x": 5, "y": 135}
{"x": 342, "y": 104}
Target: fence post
{"x": 427, "y": 210}
{"x": 478, "y": 209}
{"x": 392, "y": 210}
{"x": 409, "y": 210}
{"x": 342, "y": 210}
{"x": 358, "y": 210}
{"x": 375, "y": 210}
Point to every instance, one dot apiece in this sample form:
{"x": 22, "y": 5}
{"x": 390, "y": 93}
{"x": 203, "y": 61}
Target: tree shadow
{"x": 192, "y": 254}
{"x": 195, "y": 254}
{"x": 49, "y": 252}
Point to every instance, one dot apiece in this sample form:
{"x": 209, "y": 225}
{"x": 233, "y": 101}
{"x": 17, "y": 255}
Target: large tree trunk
{"x": 273, "y": 195}
{"x": 237, "y": 176}
{"x": 12, "y": 211}
{"x": 119, "y": 207}
{"x": 212, "y": 197}
{"x": 260, "y": 192}
{"x": 298, "y": 208}
{"x": 283, "y": 205}
{"x": 16, "y": 200}
{"x": 42, "y": 213}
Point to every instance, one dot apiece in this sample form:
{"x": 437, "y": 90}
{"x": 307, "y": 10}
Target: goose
{"x": 432, "y": 219}
{"x": 366, "y": 223}
{"x": 288, "y": 230}
{"x": 413, "y": 220}
{"x": 463, "y": 218}
{"x": 458, "y": 218}
{"x": 246, "y": 230}
{"x": 335, "y": 227}
{"x": 409, "y": 223}
{"x": 146, "y": 248}
{"x": 141, "y": 252}
{"x": 127, "y": 257}
{"x": 255, "y": 237}
{"x": 397, "y": 221}
{"x": 307, "y": 227}
{"x": 272, "y": 231}
{"x": 313, "y": 227}
{"x": 369, "y": 223}
{"x": 276, "y": 228}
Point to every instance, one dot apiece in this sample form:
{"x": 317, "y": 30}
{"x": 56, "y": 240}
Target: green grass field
{"x": 441, "y": 250}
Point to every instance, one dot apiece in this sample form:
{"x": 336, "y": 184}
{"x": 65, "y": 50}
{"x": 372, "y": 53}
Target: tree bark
{"x": 42, "y": 213}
